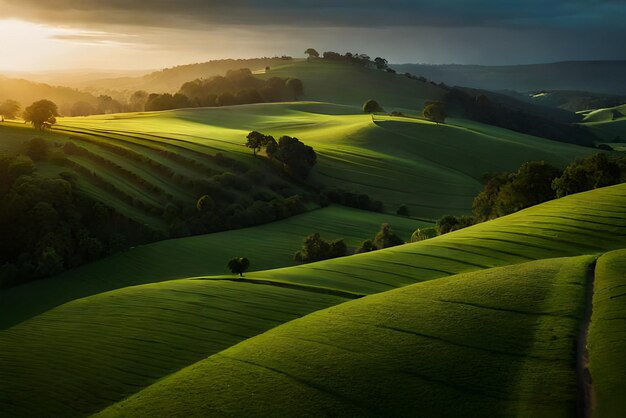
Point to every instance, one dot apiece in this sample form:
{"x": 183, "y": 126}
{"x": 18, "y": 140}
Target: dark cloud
{"x": 351, "y": 13}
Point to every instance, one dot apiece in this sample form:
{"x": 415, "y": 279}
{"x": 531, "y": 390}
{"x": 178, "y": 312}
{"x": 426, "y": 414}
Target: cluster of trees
{"x": 296, "y": 158}
{"x": 385, "y": 238}
{"x": 534, "y": 183}
{"x": 315, "y": 248}
{"x": 353, "y": 200}
{"x": 51, "y": 225}
{"x": 363, "y": 60}
{"x": 481, "y": 109}
{"x": 538, "y": 182}
{"x": 237, "y": 87}
{"x": 372, "y": 106}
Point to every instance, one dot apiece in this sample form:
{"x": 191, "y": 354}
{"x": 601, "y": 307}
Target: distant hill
{"x": 169, "y": 80}
{"x": 573, "y": 101}
{"x": 27, "y": 92}
{"x": 595, "y": 76}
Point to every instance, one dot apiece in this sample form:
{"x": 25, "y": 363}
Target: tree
{"x": 435, "y": 111}
{"x": 107, "y": 104}
{"x": 315, "y": 248}
{"x": 386, "y": 238}
{"x": 381, "y": 63}
{"x": 137, "y": 101}
{"x": 372, "y": 106}
{"x": 255, "y": 141}
{"x": 295, "y": 86}
{"x": 449, "y": 223}
{"x": 298, "y": 159}
{"x": 239, "y": 265}
{"x": 9, "y": 109}
{"x": 312, "y": 53}
{"x": 41, "y": 114}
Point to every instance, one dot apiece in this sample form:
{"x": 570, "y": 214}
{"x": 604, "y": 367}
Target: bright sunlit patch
{"x": 29, "y": 45}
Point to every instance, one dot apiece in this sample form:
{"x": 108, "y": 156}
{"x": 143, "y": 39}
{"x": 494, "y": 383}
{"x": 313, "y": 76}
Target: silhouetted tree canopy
{"x": 82, "y": 109}
{"x": 298, "y": 159}
{"x": 385, "y": 238}
{"x": 239, "y": 265}
{"x": 590, "y": 173}
{"x": 312, "y": 53}
{"x": 296, "y": 88}
{"x": 9, "y": 109}
{"x": 507, "y": 193}
{"x": 372, "y": 106}
{"x": 41, "y": 114}
{"x": 435, "y": 111}
{"x": 315, "y": 248}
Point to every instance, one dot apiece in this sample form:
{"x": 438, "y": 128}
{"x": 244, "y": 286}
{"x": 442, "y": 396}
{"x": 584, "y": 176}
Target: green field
{"x": 267, "y": 246}
{"x": 85, "y": 355}
{"x": 607, "y": 335}
{"x": 492, "y": 343}
{"x": 433, "y": 169}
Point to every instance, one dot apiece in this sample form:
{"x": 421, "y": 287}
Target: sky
{"x": 44, "y": 35}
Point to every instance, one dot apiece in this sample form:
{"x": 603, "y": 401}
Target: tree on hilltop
{"x": 435, "y": 111}
{"x": 312, "y": 53}
{"x": 239, "y": 265}
{"x": 372, "y": 106}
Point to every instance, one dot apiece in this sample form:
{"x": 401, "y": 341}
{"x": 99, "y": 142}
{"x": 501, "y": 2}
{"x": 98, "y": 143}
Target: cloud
{"x": 325, "y": 13}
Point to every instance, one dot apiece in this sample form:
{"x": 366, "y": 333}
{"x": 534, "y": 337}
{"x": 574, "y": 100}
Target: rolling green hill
{"x": 132, "y": 337}
{"x": 267, "y": 246}
{"x": 345, "y": 83}
{"x": 493, "y": 343}
{"x": 433, "y": 169}
{"x": 607, "y": 336}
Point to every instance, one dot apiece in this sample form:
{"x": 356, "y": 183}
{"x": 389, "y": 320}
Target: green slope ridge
{"x": 591, "y": 222}
{"x": 86, "y": 354}
{"x": 607, "y": 336}
{"x": 586, "y": 223}
{"x": 350, "y": 84}
{"x": 433, "y": 169}
{"x": 498, "y": 342}
{"x": 267, "y": 246}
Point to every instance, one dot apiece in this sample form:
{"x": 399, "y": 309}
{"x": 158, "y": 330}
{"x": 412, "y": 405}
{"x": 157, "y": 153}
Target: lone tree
{"x": 295, "y": 86}
{"x": 239, "y": 265}
{"x": 381, "y": 63}
{"x": 9, "y": 109}
{"x": 435, "y": 111}
{"x": 372, "y": 106}
{"x": 312, "y": 53}
{"x": 41, "y": 114}
{"x": 255, "y": 141}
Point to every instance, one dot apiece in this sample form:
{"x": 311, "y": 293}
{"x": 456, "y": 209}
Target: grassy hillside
{"x": 128, "y": 337}
{"x": 267, "y": 246}
{"x": 609, "y": 125}
{"x": 345, "y": 83}
{"x": 433, "y": 169}
{"x": 607, "y": 336}
{"x": 84, "y": 355}
{"x": 492, "y": 343}
{"x": 586, "y": 223}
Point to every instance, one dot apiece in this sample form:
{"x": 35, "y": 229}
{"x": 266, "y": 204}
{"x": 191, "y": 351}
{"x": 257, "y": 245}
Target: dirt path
{"x": 584, "y": 395}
